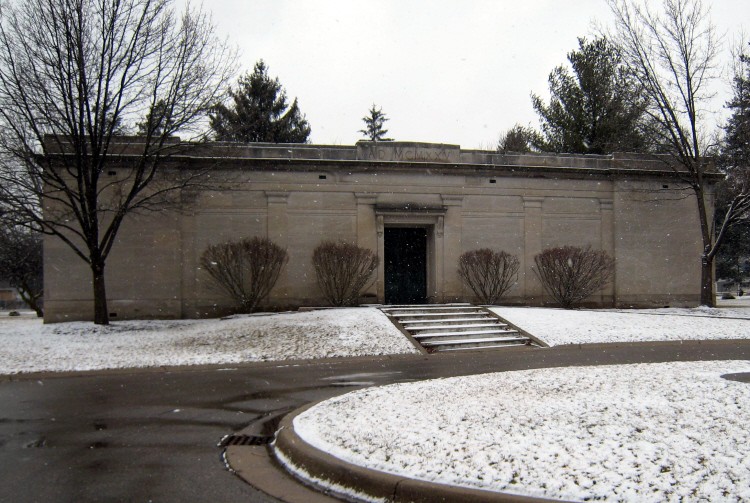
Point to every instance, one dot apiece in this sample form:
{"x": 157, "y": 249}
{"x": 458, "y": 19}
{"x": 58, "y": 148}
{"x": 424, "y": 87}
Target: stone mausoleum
{"x": 417, "y": 205}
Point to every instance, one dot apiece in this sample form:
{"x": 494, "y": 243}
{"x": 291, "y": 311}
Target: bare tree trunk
{"x": 707, "y": 257}
{"x": 707, "y": 282}
{"x": 72, "y": 75}
{"x": 101, "y": 313}
{"x": 31, "y": 299}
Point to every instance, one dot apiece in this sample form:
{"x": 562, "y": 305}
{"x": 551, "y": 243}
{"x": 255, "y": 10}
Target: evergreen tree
{"x": 374, "y": 125}
{"x": 734, "y": 256}
{"x": 594, "y": 110}
{"x": 733, "y": 260}
{"x": 259, "y": 112}
{"x": 736, "y": 148}
{"x": 155, "y": 121}
{"x": 517, "y": 139}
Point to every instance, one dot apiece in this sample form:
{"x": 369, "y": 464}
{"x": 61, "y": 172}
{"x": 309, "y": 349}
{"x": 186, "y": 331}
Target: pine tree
{"x": 734, "y": 255}
{"x": 155, "y": 121}
{"x": 736, "y": 146}
{"x": 594, "y": 110}
{"x": 374, "y": 125}
{"x": 259, "y": 112}
{"x": 517, "y": 139}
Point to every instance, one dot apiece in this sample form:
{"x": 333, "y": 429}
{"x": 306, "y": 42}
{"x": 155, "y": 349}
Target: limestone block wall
{"x": 143, "y": 273}
{"x": 657, "y": 244}
{"x": 154, "y": 271}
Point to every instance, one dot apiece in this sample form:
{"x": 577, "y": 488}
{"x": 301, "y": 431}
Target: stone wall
{"x": 466, "y": 200}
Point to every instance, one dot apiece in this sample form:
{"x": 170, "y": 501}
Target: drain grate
{"x": 244, "y": 440}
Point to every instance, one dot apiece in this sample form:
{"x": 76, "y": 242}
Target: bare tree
{"x": 672, "y": 54}
{"x": 21, "y": 264}
{"x": 73, "y": 75}
{"x": 246, "y": 270}
{"x": 570, "y": 274}
{"x": 488, "y": 273}
{"x": 343, "y": 270}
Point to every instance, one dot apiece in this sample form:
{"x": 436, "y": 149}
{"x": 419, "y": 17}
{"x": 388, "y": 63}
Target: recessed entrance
{"x": 405, "y": 254}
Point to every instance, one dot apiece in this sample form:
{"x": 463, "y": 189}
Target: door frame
{"x": 431, "y": 219}
{"x": 420, "y": 236}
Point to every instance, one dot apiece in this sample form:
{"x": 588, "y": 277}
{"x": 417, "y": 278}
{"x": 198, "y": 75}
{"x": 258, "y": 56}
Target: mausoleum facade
{"x": 417, "y": 204}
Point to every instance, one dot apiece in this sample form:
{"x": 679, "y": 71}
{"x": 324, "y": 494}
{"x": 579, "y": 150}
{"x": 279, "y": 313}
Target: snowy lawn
{"x": 647, "y": 432}
{"x": 560, "y": 326}
{"x": 26, "y": 345}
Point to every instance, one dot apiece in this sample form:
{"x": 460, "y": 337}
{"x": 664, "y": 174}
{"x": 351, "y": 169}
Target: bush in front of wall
{"x": 246, "y": 270}
{"x": 570, "y": 273}
{"x": 343, "y": 270}
{"x": 488, "y": 273}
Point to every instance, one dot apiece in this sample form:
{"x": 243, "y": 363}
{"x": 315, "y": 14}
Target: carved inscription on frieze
{"x": 407, "y": 152}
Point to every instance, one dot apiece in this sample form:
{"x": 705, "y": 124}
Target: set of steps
{"x": 453, "y": 327}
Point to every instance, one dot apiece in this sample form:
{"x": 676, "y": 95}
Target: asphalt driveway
{"x": 152, "y": 434}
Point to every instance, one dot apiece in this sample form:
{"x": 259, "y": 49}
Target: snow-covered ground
{"x": 560, "y": 326}
{"x": 26, "y": 345}
{"x": 647, "y": 432}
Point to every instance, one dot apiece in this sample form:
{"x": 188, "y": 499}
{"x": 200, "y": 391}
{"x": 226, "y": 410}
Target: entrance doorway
{"x": 405, "y": 264}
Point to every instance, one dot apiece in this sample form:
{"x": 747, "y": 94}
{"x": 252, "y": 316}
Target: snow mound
{"x": 560, "y": 326}
{"x": 646, "y": 432}
{"x": 27, "y": 345}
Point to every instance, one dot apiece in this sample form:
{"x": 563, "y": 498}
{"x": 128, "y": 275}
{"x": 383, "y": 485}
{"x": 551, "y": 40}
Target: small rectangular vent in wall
{"x": 322, "y": 177}
{"x": 492, "y": 180}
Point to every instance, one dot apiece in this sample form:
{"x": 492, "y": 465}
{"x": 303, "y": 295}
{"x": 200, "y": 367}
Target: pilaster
{"x": 532, "y": 232}
{"x": 452, "y": 227}
{"x": 367, "y": 231}
{"x": 606, "y": 210}
{"x": 278, "y": 232}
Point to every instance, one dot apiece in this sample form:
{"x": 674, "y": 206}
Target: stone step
{"x": 469, "y": 347}
{"x": 478, "y": 318}
{"x": 478, "y": 342}
{"x": 465, "y": 326}
{"x": 417, "y": 310}
{"x": 467, "y": 334}
{"x": 425, "y": 306}
{"x": 418, "y": 316}
{"x": 454, "y": 327}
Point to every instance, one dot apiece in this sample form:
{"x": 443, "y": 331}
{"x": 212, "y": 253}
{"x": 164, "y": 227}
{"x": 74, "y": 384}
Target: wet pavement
{"x": 152, "y": 434}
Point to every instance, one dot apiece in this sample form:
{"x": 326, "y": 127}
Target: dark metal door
{"x": 405, "y": 265}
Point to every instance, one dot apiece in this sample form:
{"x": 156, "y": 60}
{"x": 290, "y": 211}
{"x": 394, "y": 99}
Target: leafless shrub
{"x": 343, "y": 270}
{"x": 247, "y": 270}
{"x": 570, "y": 274}
{"x": 488, "y": 273}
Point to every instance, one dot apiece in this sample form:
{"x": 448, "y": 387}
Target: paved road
{"x": 151, "y": 435}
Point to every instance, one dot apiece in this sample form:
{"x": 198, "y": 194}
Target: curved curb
{"x": 356, "y": 483}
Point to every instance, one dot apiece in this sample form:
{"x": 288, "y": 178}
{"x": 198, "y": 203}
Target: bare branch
{"x": 343, "y": 270}
{"x": 246, "y": 270}
{"x": 488, "y": 273}
{"x": 570, "y": 274}
{"x": 74, "y": 76}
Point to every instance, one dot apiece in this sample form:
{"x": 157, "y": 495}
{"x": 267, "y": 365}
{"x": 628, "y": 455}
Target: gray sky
{"x": 456, "y": 72}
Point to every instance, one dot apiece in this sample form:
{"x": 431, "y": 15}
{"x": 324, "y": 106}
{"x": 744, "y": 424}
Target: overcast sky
{"x": 457, "y": 72}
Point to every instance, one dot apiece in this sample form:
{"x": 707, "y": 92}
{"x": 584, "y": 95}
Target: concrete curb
{"x": 344, "y": 479}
